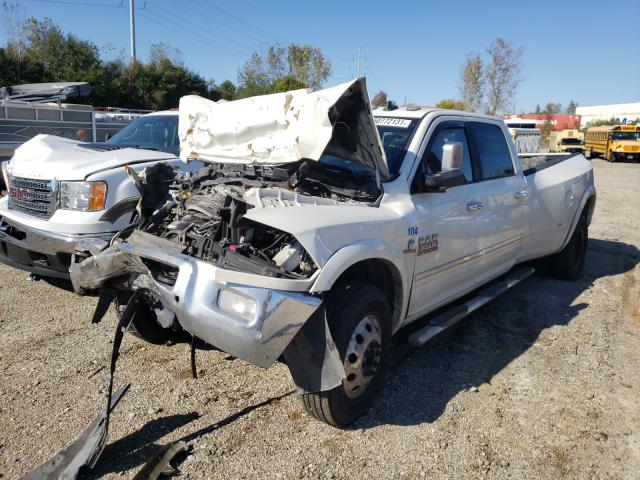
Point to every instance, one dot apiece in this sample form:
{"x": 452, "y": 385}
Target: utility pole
{"x": 359, "y": 55}
{"x": 132, "y": 29}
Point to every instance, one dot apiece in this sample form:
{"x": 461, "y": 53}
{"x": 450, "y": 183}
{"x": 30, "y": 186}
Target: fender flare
{"x": 590, "y": 192}
{"x": 364, "y": 250}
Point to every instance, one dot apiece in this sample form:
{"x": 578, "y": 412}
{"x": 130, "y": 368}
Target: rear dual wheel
{"x": 568, "y": 263}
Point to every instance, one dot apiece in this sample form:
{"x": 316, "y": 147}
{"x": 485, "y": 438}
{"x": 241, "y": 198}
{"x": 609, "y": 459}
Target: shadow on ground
{"x": 469, "y": 354}
{"x": 137, "y": 448}
{"x": 475, "y": 350}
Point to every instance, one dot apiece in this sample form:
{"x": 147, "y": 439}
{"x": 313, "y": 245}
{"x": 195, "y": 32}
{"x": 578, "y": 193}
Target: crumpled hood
{"x": 283, "y": 127}
{"x": 48, "y": 157}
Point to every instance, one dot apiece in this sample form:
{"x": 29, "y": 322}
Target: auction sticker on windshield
{"x": 392, "y": 122}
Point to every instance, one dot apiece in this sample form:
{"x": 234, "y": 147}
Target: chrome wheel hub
{"x": 363, "y": 356}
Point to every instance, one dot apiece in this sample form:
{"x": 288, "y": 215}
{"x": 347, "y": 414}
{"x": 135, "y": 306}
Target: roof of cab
{"x": 422, "y": 112}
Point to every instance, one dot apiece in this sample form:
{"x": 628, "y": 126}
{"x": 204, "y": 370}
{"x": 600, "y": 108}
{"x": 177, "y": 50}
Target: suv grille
{"x": 31, "y": 196}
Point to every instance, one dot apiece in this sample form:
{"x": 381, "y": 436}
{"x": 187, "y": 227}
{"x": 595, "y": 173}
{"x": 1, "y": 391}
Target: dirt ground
{"x": 543, "y": 383}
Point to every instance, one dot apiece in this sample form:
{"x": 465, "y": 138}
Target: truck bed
{"x": 532, "y": 163}
{"x": 555, "y": 198}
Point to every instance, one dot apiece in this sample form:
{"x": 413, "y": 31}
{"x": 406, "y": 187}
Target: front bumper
{"x": 37, "y": 251}
{"x": 193, "y": 298}
{"x": 622, "y": 155}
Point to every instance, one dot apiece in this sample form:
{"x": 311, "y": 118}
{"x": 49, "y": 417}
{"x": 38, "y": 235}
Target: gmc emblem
{"x": 19, "y": 193}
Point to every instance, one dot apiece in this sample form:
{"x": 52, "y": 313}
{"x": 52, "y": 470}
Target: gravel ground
{"x": 542, "y": 383}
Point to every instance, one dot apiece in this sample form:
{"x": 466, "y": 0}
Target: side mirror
{"x": 439, "y": 182}
{"x": 451, "y": 156}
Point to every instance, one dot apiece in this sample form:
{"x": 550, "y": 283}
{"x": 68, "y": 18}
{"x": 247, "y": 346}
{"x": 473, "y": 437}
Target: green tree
{"x": 64, "y": 57}
{"x": 227, "y": 90}
{"x": 450, "y": 104}
{"x": 571, "y": 107}
{"x": 538, "y": 109}
{"x": 471, "y": 87}
{"x": 379, "y": 99}
{"x": 286, "y": 83}
{"x": 502, "y": 75}
{"x": 308, "y": 65}
{"x": 304, "y": 63}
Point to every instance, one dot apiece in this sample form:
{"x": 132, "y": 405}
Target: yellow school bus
{"x": 613, "y": 143}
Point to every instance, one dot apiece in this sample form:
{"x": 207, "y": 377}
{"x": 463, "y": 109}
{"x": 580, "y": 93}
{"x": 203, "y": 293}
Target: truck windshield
{"x": 395, "y": 133}
{"x": 626, "y": 135}
{"x": 153, "y": 132}
{"x": 571, "y": 141}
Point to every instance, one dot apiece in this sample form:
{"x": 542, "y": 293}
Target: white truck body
{"x": 37, "y": 235}
{"x": 424, "y": 247}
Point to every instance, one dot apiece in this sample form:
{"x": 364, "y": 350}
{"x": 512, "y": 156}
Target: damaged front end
{"x": 201, "y": 265}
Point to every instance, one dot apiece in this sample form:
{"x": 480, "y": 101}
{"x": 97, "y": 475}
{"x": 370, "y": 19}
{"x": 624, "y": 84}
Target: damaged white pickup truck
{"x": 320, "y": 227}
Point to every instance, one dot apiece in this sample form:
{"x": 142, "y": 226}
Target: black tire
{"x": 145, "y": 325}
{"x": 568, "y": 263}
{"x": 350, "y": 307}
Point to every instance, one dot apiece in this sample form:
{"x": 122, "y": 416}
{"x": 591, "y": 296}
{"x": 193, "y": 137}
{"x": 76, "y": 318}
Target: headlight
{"x": 84, "y": 196}
{"x": 236, "y": 304}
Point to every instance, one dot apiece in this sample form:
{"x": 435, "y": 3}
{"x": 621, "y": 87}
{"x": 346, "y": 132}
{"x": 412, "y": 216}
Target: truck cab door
{"x": 443, "y": 237}
{"x": 502, "y": 201}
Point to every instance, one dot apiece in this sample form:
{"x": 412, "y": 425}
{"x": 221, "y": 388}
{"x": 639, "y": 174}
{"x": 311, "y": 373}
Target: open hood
{"x": 283, "y": 128}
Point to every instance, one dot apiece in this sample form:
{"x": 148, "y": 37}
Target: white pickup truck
{"x": 321, "y": 227}
{"x": 62, "y": 191}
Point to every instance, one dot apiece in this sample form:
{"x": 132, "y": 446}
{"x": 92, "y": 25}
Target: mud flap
{"x": 313, "y": 358}
{"x": 86, "y": 450}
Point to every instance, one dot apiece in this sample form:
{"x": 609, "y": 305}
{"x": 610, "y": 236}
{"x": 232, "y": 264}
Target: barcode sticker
{"x": 392, "y": 122}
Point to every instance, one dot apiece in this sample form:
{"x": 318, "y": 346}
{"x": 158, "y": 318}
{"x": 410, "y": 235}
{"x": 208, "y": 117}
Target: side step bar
{"x": 452, "y": 316}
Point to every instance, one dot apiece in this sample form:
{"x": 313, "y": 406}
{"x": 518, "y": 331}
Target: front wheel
{"x": 145, "y": 324}
{"x": 360, "y": 322}
{"x": 568, "y": 263}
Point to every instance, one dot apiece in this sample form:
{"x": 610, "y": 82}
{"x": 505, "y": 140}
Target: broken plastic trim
{"x": 86, "y": 450}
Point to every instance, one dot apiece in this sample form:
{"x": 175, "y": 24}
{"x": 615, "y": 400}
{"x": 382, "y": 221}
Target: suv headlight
{"x": 83, "y": 196}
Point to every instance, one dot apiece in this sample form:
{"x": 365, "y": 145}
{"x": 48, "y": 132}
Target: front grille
{"x": 36, "y": 197}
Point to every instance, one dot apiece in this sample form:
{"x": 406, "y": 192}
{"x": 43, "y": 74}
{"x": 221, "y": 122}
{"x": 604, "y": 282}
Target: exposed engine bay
{"x": 204, "y": 213}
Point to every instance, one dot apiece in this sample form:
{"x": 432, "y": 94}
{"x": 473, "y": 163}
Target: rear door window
{"x": 494, "y": 157}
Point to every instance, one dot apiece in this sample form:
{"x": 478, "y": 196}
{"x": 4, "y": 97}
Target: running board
{"x": 452, "y": 316}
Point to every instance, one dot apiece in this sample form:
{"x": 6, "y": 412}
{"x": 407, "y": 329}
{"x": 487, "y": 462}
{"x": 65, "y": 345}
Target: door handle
{"x": 521, "y": 194}
{"x": 474, "y": 205}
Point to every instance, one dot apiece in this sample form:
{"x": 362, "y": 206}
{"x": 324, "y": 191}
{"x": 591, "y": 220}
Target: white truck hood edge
{"x": 322, "y": 230}
{"x": 283, "y": 128}
{"x": 49, "y": 157}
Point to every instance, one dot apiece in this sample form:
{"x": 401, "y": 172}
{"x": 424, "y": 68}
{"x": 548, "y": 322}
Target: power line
{"x": 81, "y": 4}
{"x": 229, "y": 27}
{"x": 187, "y": 29}
{"x": 239, "y": 21}
{"x": 186, "y": 33}
{"x": 233, "y": 41}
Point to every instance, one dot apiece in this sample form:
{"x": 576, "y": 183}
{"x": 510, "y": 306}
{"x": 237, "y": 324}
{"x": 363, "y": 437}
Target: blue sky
{"x": 582, "y": 50}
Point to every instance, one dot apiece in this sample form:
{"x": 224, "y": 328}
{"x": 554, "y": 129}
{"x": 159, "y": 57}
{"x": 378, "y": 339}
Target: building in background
{"x": 624, "y": 113}
{"x": 558, "y": 121}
